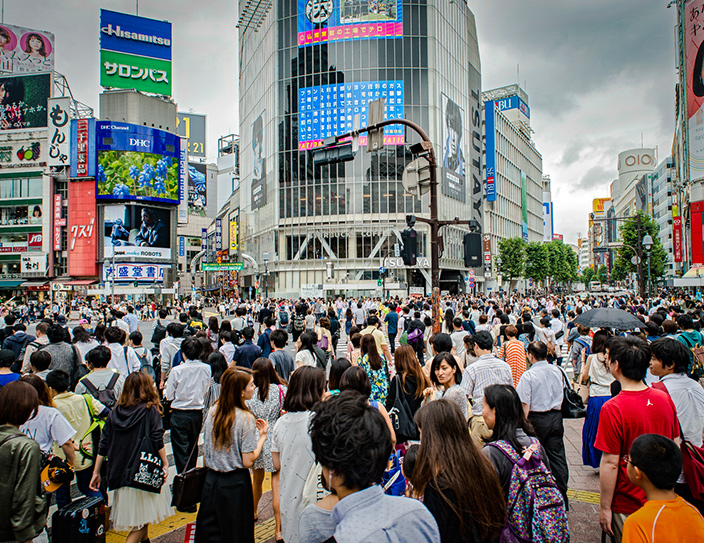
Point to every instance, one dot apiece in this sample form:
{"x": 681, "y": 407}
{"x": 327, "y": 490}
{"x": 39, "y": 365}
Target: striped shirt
{"x": 514, "y": 352}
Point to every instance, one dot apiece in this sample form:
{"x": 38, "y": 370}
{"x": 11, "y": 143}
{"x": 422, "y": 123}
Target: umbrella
{"x": 609, "y": 318}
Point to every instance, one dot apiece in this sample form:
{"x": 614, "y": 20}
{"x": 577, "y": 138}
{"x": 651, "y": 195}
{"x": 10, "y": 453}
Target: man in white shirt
{"x": 557, "y": 326}
{"x": 168, "y": 349}
{"x": 131, "y": 320}
{"x": 541, "y": 392}
{"x": 486, "y": 370}
{"x": 186, "y": 389}
{"x": 124, "y": 359}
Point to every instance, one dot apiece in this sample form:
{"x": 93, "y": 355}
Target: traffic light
{"x": 410, "y": 246}
{"x": 472, "y": 250}
{"x": 333, "y": 155}
{"x": 379, "y": 282}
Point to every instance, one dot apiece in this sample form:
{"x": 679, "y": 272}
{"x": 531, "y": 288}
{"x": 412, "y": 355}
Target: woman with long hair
{"x": 596, "y": 370}
{"x": 324, "y": 337}
{"x": 355, "y": 378}
{"x": 305, "y": 352}
{"x": 447, "y": 320}
{"x": 232, "y": 441}
{"x": 337, "y": 369}
{"x": 99, "y": 333}
{"x": 513, "y": 352}
{"x": 133, "y": 509}
{"x": 218, "y": 365}
{"x": 354, "y": 345}
{"x": 84, "y": 341}
{"x": 411, "y": 380}
{"x": 225, "y": 326}
{"x": 375, "y": 365}
{"x": 446, "y": 376}
{"x": 213, "y": 331}
{"x": 457, "y": 482}
{"x": 207, "y": 347}
{"x": 291, "y": 447}
{"x": 266, "y": 404}
{"x": 503, "y": 414}
{"x": 349, "y": 321}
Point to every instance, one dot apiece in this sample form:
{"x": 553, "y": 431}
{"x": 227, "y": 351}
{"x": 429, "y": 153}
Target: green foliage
{"x": 629, "y": 235}
{"x": 537, "y": 261}
{"x": 588, "y": 276}
{"x": 602, "y": 274}
{"x": 513, "y": 256}
{"x": 562, "y": 261}
{"x": 116, "y": 168}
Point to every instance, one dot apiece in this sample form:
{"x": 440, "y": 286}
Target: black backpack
{"x": 158, "y": 334}
{"x": 106, "y": 396}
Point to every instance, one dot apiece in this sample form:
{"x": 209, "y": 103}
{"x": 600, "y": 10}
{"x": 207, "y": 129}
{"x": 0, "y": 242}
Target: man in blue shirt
{"x": 264, "y": 341}
{"x": 391, "y": 321}
{"x": 351, "y": 442}
{"x": 248, "y": 352}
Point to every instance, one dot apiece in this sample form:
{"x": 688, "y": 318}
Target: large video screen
{"x": 137, "y": 163}
{"x": 321, "y": 21}
{"x": 328, "y": 110}
{"x": 23, "y": 100}
{"x": 137, "y": 230}
{"x": 197, "y": 189}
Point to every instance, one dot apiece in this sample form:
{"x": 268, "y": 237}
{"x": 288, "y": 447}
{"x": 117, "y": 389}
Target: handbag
{"x": 393, "y": 481}
{"x": 692, "y": 458}
{"x": 572, "y": 404}
{"x": 187, "y": 488}
{"x": 146, "y": 470}
{"x": 313, "y": 489}
{"x": 323, "y": 343}
{"x": 401, "y": 415}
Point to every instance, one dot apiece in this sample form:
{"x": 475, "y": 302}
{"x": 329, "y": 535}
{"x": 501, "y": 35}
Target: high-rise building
{"x": 664, "y": 212}
{"x": 627, "y": 191}
{"x": 308, "y": 72}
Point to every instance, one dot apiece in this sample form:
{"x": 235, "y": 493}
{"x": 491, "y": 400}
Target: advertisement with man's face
{"x": 23, "y": 100}
{"x": 136, "y": 230}
{"x": 197, "y": 189}
{"x": 453, "y": 178}
{"x": 259, "y": 158}
{"x": 24, "y": 50}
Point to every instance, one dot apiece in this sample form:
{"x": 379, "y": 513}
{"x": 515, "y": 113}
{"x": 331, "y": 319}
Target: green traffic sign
{"x": 227, "y": 266}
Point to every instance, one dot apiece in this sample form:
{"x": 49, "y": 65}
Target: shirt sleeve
{"x": 608, "y": 435}
{"x": 524, "y": 389}
{"x": 249, "y": 432}
{"x": 170, "y": 390}
{"x": 61, "y": 429}
{"x": 275, "y": 437}
{"x": 633, "y": 532}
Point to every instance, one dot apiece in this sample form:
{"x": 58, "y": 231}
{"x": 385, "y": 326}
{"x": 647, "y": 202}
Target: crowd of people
{"x": 411, "y": 429}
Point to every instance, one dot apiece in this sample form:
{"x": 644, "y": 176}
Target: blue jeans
{"x": 63, "y": 493}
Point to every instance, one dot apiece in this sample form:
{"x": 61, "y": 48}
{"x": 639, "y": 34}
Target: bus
{"x": 595, "y": 286}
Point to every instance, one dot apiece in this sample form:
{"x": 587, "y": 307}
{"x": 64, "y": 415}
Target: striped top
{"x": 515, "y": 355}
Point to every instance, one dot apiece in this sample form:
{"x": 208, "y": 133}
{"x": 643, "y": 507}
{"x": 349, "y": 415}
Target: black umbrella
{"x": 606, "y": 317}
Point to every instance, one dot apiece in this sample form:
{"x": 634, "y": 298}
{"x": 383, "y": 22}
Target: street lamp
{"x": 265, "y": 258}
{"x": 498, "y": 269}
{"x": 647, "y": 245}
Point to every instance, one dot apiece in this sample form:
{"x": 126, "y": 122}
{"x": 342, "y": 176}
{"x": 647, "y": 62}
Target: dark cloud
{"x": 594, "y": 177}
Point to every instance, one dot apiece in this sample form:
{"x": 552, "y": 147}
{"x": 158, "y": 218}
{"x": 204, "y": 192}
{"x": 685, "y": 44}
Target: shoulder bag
{"x": 146, "y": 470}
{"x": 400, "y": 413}
{"x": 187, "y": 488}
{"x": 572, "y": 404}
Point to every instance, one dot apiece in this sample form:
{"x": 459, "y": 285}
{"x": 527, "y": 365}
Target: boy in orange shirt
{"x": 654, "y": 465}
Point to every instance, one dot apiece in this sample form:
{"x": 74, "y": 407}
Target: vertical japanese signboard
{"x": 694, "y": 50}
{"x": 59, "y": 131}
{"x": 487, "y": 254}
{"x": 83, "y": 236}
{"x": 218, "y": 234}
{"x": 524, "y": 206}
{"x": 677, "y": 238}
{"x": 204, "y": 243}
{"x": 233, "y": 235}
{"x": 83, "y": 157}
{"x": 58, "y": 222}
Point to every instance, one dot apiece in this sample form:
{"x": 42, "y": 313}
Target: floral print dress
{"x": 378, "y": 378}
{"x": 270, "y": 411}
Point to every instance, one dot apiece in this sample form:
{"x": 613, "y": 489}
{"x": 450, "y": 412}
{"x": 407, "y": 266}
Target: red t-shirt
{"x": 624, "y": 418}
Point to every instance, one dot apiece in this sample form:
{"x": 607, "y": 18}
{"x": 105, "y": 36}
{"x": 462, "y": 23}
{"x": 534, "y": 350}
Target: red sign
{"x": 558, "y": 237}
{"x": 83, "y": 229}
{"x": 35, "y": 240}
{"x": 697, "y": 234}
{"x": 677, "y": 238}
{"x": 82, "y": 146}
{"x": 57, "y": 222}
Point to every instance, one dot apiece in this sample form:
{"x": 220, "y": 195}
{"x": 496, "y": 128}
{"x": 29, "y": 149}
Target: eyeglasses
{"x": 627, "y": 459}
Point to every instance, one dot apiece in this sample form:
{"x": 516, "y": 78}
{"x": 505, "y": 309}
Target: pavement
{"x": 583, "y": 488}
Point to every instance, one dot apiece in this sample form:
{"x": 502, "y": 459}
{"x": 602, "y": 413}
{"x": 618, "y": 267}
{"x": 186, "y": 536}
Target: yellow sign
{"x": 598, "y": 204}
{"x": 233, "y": 235}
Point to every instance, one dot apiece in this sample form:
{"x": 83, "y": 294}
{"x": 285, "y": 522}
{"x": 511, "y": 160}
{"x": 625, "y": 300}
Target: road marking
{"x": 584, "y": 496}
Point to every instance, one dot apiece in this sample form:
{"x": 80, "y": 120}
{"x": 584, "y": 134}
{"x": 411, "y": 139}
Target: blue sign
{"x": 382, "y": 270}
{"x": 181, "y": 246}
{"x": 512, "y": 102}
{"x": 83, "y": 155}
{"x": 329, "y": 110}
{"x": 114, "y": 136}
{"x": 490, "y": 151}
{"x": 135, "y": 35}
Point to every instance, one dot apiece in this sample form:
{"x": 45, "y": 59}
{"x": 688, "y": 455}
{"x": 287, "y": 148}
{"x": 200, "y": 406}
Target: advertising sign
{"x": 228, "y": 266}
{"x": 548, "y": 220}
{"x": 312, "y": 291}
{"x": 23, "y": 101}
{"x": 487, "y": 253}
{"x": 512, "y": 102}
{"x": 204, "y": 244}
{"x": 58, "y": 222}
{"x": 557, "y": 237}
{"x": 136, "y": 230}
{"x": 22, "y": 153}
{"x": 83, "y": 148}
{"x": 121, "y": 71}
{"x": 83, "y": 229}
{"x": 694, "y": 52}
{"x": 524, "y": 206}
{"x": 137, "y": 163}
{"x": 233, "y": 235}
{"x": 599, "y": 206}
{"x": 197, "y": 189}
{"x": 35, "y": 241}
{"x": 181, "y": 246}
{"x": 259, "y": 161}
{"x": 182, "y": 181}
{"x": 218, "y": 234}
{"x": 192, "y": 127}
{"x": 24, "y": 50}
{"x": 490, "y": 128}
{"x": 128, "y": 272}
{"x": 453, "y": 164}
{"x": 321, "y": 21}
{"x": 327, "y": 110}
{"x": 59, "y": 112}
{"x": 677, "y": 238}
{"x": 33, "y": 264}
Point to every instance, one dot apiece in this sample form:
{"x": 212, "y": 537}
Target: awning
{"x": 10, "y": 284}
{"x": 78, "y": 282}
{"x": 696, "y": 271}
{"x": 33, "y": 284}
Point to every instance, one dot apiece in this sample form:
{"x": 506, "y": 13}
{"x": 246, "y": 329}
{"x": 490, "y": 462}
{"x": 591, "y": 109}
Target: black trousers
{"x": 551, "y": 433}
{"x": 226, "y": 512}
{"x": 392, "y": 342}
{"x": 185, "y": 429}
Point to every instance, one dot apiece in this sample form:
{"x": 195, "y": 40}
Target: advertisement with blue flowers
{"x": 137, "y": 163}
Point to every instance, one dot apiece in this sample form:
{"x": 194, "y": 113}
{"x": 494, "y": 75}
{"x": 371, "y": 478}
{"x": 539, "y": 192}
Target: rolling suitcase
{"x": 81, "y": 522}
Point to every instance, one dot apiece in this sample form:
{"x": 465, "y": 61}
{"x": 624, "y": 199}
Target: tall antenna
{"x": 137, "y": 6}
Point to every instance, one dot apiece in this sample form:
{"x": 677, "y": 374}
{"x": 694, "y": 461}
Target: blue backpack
{"x": 587, "y": 348}
{"x": 178, "y": 358}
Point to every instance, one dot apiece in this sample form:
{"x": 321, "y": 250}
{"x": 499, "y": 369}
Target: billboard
{"x": 192, "y": 127}
{"x": 677, "y": 238}
{"x": 137, "y": 163}
{"x": 83, "y": 148}
{"x": 129, "y": 272}
{"x": 548, "y": 219}
{"x": 197, "y": 189}
{"x": 137, "y": 230}
{"x": 490, "y": 127}
{"x": 23, "y": 101}
{"x": 25, "y": 50}
{"x": 694, "y": 52}
{"x": 524, "y": 206}
{"x": 328, "y": 110}
{"x": 453, "y": 163}
{"x": 475, "y": 157}
{"x": 233, "y": 235}
{"x": 59, "y": 113}
{"x": 512, "y": 102}
{"x": 135, "y": 53}
{"x": 322, "y": 21}
{"x": 599, "y": 206}
{"x": 259, "y": 164}
{"x": 82, "y": 229}
{"x": 20, "y": 154}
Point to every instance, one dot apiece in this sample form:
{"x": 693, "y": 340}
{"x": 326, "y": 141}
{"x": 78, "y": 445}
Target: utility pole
{"x": 424, "y": 148}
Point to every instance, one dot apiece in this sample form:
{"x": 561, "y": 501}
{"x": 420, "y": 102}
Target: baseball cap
{"x": 56, "y": 473}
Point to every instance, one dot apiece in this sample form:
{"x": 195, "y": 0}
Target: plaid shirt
{"x": 487, "y": 370}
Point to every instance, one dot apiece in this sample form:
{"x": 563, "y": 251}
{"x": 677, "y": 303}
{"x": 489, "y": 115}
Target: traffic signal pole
{"x": 425, "y": 148}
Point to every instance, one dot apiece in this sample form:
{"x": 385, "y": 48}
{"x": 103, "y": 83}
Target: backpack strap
{"x": 90, "y": 386}
{"x": 127, "y": 361}
{"x": 8, "y": 438}
{"x": 508, "y": 451}
{"x": 111, "y": 384}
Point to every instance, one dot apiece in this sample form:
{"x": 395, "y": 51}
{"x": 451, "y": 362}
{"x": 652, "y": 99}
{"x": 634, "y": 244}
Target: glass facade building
{"x": 308, "y": 70}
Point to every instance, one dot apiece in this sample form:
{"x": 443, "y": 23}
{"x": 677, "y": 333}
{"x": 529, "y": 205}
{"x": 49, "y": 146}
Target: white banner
{"x": 312, "y": 291}
{"x": 33, "y": 264}
{"x": 151, "y": 273}
{"x": 58, "y": 116}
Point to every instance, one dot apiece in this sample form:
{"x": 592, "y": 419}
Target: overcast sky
{"x": 599, "y": 74}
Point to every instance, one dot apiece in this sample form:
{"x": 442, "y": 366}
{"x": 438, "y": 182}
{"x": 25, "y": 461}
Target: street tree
{"x": 602, "y": 274}
{"x": 629, "y": 236}
{"x": 562, "y": 261}
{"x": 537, "y": 262}
{"x": 587, "y": 276}
{"x": 512, "y": 253}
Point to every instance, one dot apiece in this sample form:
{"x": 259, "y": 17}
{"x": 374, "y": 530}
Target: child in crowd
{"x": 654, "y": 465}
